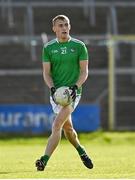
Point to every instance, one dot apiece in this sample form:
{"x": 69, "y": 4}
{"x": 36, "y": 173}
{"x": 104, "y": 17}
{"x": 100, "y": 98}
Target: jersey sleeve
{"x": 83, "y": 53}
{"x": 45, "y": 55}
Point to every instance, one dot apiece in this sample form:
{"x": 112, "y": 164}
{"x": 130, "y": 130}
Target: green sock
{"x": 80, "y": 150}
{"x": 45, "y": 159}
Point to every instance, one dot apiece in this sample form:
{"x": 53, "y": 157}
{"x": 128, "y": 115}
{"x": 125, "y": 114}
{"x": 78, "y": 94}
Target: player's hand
{"x": 74, "y": 91}
{"x": 53, "y": 90}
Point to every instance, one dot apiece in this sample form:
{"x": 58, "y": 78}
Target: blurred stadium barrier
{"x": 38, "y": 119}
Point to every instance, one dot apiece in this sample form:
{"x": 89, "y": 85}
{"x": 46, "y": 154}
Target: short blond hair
{"x": 60, "y": 17}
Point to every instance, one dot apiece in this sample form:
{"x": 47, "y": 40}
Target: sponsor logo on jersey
{"x": 54, "y": 51}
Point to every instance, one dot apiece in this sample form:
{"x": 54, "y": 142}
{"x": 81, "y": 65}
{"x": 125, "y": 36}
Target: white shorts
{"x": 56, "y": 107}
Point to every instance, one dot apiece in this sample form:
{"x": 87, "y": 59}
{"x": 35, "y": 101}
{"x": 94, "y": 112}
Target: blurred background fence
{"x": 107, "y": 28}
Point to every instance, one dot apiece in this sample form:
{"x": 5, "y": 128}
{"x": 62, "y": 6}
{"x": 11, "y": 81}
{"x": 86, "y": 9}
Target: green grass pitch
{"x": 113, "y": 154}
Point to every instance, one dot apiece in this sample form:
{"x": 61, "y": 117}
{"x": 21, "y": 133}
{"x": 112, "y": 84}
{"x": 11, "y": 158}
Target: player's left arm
{"x": 83, "y": 72}
{"x": 83, "y": 67}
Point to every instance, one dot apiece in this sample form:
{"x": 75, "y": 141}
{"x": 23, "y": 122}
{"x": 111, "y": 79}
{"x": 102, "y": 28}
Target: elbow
{"x": 86, "y": 74}
{"x": 44, "y": 75}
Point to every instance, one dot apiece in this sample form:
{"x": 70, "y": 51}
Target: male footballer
{"x": 65, "y": 63}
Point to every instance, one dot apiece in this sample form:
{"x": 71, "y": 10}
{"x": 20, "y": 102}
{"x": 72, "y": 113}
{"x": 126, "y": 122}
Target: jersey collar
{"x": 64, "y": 42}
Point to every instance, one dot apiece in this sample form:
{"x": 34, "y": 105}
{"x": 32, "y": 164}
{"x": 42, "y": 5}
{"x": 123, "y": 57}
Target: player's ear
{"x": 69, "y": 26}
{"x": 53, "y": 28}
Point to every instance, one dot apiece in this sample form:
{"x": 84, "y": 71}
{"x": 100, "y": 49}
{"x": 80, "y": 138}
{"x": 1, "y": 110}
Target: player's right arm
{"x": 47, "y": 67}
{"x": 48, "y": 79}
{"x": 47, "y": 74}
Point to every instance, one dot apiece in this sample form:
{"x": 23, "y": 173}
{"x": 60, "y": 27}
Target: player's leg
{"x": 57, "y": 128}
{"x": 69, "y": 131}
{"x": 55, "y": 136}
{"x": 71, "y": 135}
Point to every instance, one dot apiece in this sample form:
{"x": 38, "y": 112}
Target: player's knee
{"x": 69, "y": 131}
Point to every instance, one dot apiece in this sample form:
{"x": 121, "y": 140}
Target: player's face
{"x": 62, "y": 28}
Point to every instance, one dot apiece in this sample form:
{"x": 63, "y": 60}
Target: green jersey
{"x": 64, "y": 58}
